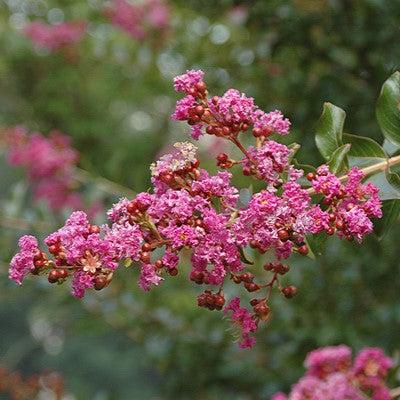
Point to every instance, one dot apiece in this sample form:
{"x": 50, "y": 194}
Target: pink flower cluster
{"x": 50, "y": 163}
{"x": 229, "y": 114}
{"x": 332, "y": 375}
{"x": 194, "y": 210}
{"x": 141, "y": 19}
{"x": 350, "y": 206}
{"x": 55, "y": 37}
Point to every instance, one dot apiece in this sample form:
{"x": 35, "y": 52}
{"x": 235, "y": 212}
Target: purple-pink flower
{"x": 243, "y": 319}
{"x": 22, "y": 263}
{"x": 139, "y": 20}
{"x": 55, "y": 37}
{"x": 192, "y": 211}
{"x": 332, "y": 375}
{"x": 50, "y": 163}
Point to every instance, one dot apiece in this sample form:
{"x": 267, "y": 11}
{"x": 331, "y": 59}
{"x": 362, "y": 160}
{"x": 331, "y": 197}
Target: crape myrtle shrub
{"x": 300, "y": 325}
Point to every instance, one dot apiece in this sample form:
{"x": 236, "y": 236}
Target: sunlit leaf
{"x": 338, "y": 162}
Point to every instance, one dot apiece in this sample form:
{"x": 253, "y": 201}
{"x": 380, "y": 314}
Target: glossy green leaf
{"x": 362, "y": 146}
{"x": 329, "y": 130}
{"x": 338, "y": 162}
{"x": 391, "y": 214}
{"x": 387, "y": 109}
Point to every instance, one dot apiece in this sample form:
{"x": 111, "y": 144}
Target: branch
{"x": 104, "y": 184}
{"x": 395, "y": 393}
{"x": 372, "y": 169}
{"x": 23, "y": 224}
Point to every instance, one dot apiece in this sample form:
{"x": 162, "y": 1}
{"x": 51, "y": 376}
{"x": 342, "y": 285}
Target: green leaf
{"x": 390, "y": 148}
{"x": 244, "y": 257}
{"x": 328, "y": 136}
{"x": 338, "y": 162}
{"x": 305, "y": 167}
{"x": 393, "y": 179}
{"x": 316, "y": 244}
{"x": 391, "y": 214}
{"x": 387, "y": 190}
{"x": 387, "y": 109}
{"x": 362, "y": 146}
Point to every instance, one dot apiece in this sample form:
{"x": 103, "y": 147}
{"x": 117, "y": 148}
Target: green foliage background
{"x": 114, "y": 97}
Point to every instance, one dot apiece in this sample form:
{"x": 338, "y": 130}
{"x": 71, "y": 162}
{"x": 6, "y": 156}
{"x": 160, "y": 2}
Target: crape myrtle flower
{"x": 332, "y": 374}
{"x": 191, "y": 210}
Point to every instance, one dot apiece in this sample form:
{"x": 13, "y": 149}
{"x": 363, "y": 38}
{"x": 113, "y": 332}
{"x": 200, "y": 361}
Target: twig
{"x": 379, "y": 167}
{"x": 104, "y": 184}
{"x": 395, "y": 393}
{"x": 23, "y": 224}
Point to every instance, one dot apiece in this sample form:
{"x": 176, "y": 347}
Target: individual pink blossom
{"x": 357, "y": 223}
{"x": 125, "y": 240}
{"x": 326, "y": 183}
{"x": 272, "y": 159}
{"x": 241, "y": 317}
{"x": 331, "y": 375}
{"x": 267, "y": 217}
{"x": 183, "y": 83}
{"x": 22, "y": 263}
{"x": 305, "y": 388}
{"x": 327, "y": 360}
{"x": 372, "y": 362}
{"x": 54, "y": 37}
{"x": 272, "y": 122}
{"x": 233, "y": 107}
{"x": 82, "y": 281}
{"x": 148, "y": 277}
{"x": 183, "y": 107}
{"x": 118, "y": 212}
{"x": 217, "y": 248}
{"x": 219, "y": 186}
{"x": 279, "y": 396}
{"x": 170, "y": 260}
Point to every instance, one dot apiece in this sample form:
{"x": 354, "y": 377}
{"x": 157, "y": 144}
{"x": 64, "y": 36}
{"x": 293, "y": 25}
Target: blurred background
{"x": 111, "y": 92}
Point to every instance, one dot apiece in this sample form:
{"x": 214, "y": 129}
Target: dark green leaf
{"x": 391, "y": 213}
{"x": 338, "y": 162}
{"x": 328, "y": 136}
{"x": 305, "y": 167}
{"x": 316, "y": 244}
{"x": 387, "y": 109}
